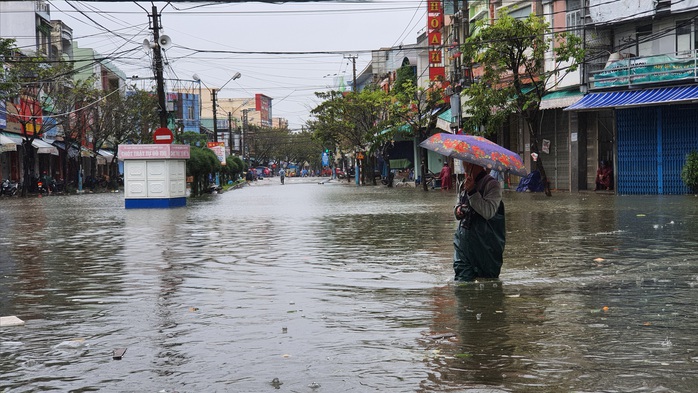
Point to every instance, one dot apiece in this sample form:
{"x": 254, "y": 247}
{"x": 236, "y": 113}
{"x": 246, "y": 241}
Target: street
{"x": 323, "y": 286}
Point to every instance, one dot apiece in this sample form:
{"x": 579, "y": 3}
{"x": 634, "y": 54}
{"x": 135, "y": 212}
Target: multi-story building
{"x": 631, "y": 103}
{"x": 29, "y": 23}
{"x": 640, "y": 77}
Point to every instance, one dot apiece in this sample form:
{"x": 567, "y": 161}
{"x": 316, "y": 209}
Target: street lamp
{"x": 213, "y": 98}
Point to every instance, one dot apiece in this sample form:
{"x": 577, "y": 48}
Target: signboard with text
{"x": 139, "y": 152}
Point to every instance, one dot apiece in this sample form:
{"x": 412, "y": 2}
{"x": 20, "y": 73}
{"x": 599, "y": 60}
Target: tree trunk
{"x": 539, "y": 160}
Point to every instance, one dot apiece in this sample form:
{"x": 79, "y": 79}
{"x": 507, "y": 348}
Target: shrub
{"x": 689, "y": 174}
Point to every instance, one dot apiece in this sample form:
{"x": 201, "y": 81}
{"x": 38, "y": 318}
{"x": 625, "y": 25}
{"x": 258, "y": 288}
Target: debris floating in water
{"x": 118, "y": 353}
{"x": 599, "y": 260}
{"x": 442, "y": 336}
{"x": 10, "y": 321}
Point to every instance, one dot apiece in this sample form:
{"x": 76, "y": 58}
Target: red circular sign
{"x": 163, "y": 135}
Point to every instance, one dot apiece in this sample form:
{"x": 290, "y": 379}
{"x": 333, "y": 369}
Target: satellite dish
{"x": 146, "y": 45}
{"x": 165, "y": 42}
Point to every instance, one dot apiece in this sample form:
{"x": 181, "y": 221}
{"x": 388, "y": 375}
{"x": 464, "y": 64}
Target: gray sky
{"x": 246, "y": 31}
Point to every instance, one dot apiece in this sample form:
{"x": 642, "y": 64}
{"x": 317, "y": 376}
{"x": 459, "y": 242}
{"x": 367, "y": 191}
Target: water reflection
{"x": 342, "y": 288}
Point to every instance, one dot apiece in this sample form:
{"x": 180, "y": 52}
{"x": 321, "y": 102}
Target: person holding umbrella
{"x": 480, "y": 237}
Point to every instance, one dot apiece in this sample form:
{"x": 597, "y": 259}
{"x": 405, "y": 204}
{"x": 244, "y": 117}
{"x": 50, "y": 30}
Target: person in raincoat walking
{"x": 480, "y": 237}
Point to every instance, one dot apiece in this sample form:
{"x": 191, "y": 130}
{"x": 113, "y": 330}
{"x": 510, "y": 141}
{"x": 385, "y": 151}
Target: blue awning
{"x": 645, "y": 97}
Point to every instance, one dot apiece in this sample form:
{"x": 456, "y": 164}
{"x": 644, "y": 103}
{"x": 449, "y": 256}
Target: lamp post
{"x": 215, "y": 108}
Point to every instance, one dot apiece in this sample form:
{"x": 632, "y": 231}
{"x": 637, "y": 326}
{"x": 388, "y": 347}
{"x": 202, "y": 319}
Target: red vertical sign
{"x": 435, "y": 23}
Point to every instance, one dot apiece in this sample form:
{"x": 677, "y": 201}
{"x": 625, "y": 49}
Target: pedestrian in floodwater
{"x": 480, "y": 237}
{"x": 282, "y": 175}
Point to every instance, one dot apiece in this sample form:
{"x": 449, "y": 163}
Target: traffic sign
{"x": 163, "y": 135}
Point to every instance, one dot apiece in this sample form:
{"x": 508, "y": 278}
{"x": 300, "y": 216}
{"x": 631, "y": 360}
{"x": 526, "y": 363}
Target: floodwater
{"x": 311, "y": 287}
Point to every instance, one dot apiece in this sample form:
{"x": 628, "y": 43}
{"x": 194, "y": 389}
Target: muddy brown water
{"x": 311, "y": 287}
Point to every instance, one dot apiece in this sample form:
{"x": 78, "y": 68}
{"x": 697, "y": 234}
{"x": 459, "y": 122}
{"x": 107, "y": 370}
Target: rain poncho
{"x": 481, "y": 235}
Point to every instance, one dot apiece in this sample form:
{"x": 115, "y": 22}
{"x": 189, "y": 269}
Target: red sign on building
{"x": 435, "y": 23}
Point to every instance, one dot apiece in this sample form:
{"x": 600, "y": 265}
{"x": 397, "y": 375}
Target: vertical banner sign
{"x": 219, "y": 149}
{"x": 435, "y": 23}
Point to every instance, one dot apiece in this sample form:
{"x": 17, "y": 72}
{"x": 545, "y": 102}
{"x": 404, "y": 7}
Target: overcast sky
{"x": 214, "y": 40}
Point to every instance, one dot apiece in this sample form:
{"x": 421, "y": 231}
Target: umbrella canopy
{"x": 476, "y": 150}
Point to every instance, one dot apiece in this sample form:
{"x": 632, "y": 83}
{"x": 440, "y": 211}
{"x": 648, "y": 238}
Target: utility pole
{"x": 353, "y": 60}
{"x": 157, "y": 58}
{"x": 230, "y": 132}
{"x": 215, "y": 120}
{"x": 244, "y": 134}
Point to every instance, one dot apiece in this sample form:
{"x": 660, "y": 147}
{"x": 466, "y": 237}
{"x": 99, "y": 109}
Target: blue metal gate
{"x": 652, "y": 146}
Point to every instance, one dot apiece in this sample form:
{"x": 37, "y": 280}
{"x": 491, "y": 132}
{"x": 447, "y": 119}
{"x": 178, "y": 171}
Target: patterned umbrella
{"x": 476, "y": 150}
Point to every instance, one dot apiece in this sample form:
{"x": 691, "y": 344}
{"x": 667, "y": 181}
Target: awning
{"x": 43, "y": 147}
{"x": 560, "y": 99}
{"x": 7, "y": 144}
{"x": 645, "y": 97}
{"x": 443, "y": 122}
{"x": 104, "y": 157}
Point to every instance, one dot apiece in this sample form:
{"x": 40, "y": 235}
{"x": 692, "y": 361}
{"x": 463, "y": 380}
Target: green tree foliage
{"x": 202, "y": 162}
{"x": 8, "y": 49}
{"x": 416, "y": 107}
{"x": 511, "y": 54}
{"x": 352, "y": 121}
{"x": 404, "y": 75}
{"x": 142, "y": 115}
{"x": 689, "y": 173}
{"x": 33, "y": 86}
{"x": 192, "y": 138}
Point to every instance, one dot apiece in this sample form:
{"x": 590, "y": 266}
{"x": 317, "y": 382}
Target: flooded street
{"x": 311, "y": 287}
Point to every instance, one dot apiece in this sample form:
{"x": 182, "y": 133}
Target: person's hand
{"x": 469, "y": 184}
{"x": 458, "y": 212}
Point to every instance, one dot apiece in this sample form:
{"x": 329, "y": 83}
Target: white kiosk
{"x": 155, "y": 176}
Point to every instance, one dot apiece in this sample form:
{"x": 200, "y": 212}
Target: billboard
{"x": 263, "y": 106}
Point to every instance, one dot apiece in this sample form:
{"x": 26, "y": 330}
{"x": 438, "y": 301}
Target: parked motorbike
{"x": 8, "y": 188}
{"x": 41, "y": 188}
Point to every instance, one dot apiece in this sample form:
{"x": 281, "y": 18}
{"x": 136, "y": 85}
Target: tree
{"x": 351, "y": 122}
{"x": 417, "y": 108}
{"x": 511, "y": 54}
{"x": 33, "y": 86}
{"x": 73, "y": 109}
{"x": 202, "y": 162}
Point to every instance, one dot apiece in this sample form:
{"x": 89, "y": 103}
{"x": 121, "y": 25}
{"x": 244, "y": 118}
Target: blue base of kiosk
{"x": 156, "y": 203}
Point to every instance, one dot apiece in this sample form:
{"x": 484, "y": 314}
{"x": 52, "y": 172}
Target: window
{"x": 574, "y": 16}
{"x": 643, "y": 36}
{"x": 190, "y": 113}
{"x": 683, "y": 36}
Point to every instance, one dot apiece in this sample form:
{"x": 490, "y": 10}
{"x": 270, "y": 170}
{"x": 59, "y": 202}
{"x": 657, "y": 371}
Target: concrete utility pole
{"x": 230, "y": 132}
{"x": 244, "y": 134}
{"x": 215, "y": 120}
{"x": 353, "y": 60}
{"x": 157, "y": 58}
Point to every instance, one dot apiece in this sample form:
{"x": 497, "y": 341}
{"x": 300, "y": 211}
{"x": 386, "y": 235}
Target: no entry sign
{"x": 163, "y": 135}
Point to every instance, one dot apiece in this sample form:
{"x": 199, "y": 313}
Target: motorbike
{"x": 8, "y": 188}
{"x": 41, "y": 188}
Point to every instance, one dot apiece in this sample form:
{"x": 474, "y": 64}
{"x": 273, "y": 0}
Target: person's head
{"x": 472, "y": 169}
